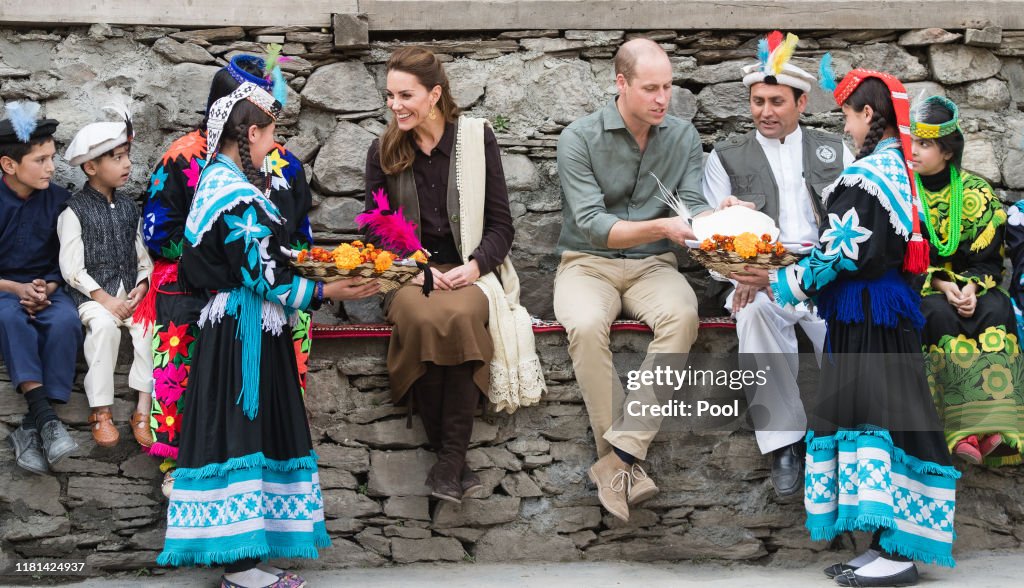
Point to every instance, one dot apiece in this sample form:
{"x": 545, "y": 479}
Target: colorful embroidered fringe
{"x": 858, "y": 481}
{"x": 248, "y": 507}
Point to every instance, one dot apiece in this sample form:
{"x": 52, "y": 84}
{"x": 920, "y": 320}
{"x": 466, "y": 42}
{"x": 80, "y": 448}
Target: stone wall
{"x": 105, "y": 505}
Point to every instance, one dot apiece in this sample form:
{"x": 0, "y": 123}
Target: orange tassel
{"x": 918, "y": 251}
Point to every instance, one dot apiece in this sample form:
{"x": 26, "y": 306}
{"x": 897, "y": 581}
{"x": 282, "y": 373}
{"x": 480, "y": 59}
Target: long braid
{"x": 875, "y": 134}
{"x": 251, "y": 173}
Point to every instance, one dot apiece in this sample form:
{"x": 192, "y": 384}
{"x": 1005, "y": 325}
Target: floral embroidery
{"x": 997, "y": 381}
{"x": 823, "y": 268}
{"x": 194, "y": 170}
{"x": 170, "y": 382}
{"x": 175, "y": 341}
{"x": 191, "y": 146}
{"x": 845, "y": 234}
{"x": 169, "y": 421}
{"x": 157, "y": 181}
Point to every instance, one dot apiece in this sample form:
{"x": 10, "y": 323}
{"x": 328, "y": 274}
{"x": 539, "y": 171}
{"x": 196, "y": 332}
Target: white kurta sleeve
{"x": 717, "y": 186}
{"x": 72, "y": 253}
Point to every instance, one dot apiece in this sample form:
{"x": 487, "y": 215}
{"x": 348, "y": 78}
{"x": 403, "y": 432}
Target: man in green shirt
{"x": 616, "y": 249}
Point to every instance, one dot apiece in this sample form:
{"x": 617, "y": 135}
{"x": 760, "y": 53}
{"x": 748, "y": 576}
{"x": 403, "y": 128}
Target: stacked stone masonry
{"x": 105, "y": 506}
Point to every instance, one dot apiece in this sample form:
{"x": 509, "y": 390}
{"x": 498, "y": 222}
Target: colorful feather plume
{"x": 395, "y": 232}
{"x": 827, "y": 74}
{"x": 273, "y": 56}
{"x": 272, "y": 72}
{"x": 782, "y": 53}
{"x": 23, "y": 118}
{"x": 280, "y": 86}
{"x": 762, "y": 51}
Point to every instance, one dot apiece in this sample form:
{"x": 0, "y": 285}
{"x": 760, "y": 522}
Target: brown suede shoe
{"x": 140, "y": 429}
{"x": 446, "y": 484}
{"x": 103, "y": 430}
{"x": 612, "y": 481}
{"x": 641, "y": 486}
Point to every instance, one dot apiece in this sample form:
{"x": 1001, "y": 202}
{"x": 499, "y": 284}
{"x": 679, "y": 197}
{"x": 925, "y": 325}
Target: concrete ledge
{"x": 484, "y": 15}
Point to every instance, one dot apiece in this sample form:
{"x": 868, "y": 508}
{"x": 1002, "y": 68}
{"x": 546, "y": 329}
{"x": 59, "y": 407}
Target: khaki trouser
{"x": 102, "y": 338}
{"x": 590, "y": 293}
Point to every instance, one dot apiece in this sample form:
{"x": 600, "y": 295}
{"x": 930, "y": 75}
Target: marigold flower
{"x": 383, "y": 261}
{"x": 745, "y": 245}
{"x": 347, "y": 257}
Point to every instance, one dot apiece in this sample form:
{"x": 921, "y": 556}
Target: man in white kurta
{"x": 797, "y": 163}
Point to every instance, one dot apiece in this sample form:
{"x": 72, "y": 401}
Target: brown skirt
{"x": 447, "y": 328}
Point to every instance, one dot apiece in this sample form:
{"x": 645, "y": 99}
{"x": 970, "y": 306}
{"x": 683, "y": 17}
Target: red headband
{"x": 901, "y": 105}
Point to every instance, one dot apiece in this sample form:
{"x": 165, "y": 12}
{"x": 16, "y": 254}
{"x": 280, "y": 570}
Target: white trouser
{"x": 764, "y": 327}
{"x": 102, "y": 338}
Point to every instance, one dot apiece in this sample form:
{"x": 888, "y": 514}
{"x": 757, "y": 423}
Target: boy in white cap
{"x": 105, "y": 263}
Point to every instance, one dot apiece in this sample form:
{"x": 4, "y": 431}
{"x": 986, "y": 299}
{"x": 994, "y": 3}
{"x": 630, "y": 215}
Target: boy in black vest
{"x": 39, "y": 328}
{"x": 107, "y": 269}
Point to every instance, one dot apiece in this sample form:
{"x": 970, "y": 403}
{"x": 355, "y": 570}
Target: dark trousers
{"x": 41, "y": 349}
{"x": 446, "y": 398}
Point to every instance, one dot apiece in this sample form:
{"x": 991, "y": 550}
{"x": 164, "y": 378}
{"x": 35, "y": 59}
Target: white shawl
{"x": 516, "y": 375}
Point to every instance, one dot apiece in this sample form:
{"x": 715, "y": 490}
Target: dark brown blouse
{"x": 431, "y": 175}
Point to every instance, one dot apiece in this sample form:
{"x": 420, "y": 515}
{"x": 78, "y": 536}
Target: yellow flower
{"x": 963, "y": 351}
{"x": 973, "y": 206}
{"x": 993, "y": 339}
{"x": 997, "y": 381}
{"x": 383, "y": 261}
{"x": 746, "y": 245}
{"x": 347, "y": 257}
{"x": 936, "y": 359}
{"x": 988, "y": 282}
{"x": 1011, "y": 344}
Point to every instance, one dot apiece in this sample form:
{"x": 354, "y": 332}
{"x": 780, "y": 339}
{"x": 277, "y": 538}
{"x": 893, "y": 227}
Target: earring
{"x": 433, "y": 114}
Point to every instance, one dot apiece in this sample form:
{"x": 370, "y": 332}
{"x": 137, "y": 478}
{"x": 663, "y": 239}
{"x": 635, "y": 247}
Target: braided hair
{"x": 236, "y": 129}
{"x": 875, "y": 93}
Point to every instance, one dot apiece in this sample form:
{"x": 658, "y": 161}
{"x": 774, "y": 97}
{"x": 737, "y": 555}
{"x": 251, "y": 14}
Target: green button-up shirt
{"x": 605, "y": 179}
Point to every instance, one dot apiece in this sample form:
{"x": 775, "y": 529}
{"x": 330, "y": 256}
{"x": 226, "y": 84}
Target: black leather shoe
{"x": 837, "y": 569}
{"x": 788, "y": 470}
{"x": 907, "y": 577}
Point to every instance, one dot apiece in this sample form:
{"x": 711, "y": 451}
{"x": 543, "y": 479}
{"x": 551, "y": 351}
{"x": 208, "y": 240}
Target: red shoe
{"x": 990, "y": 443}
{"x": 968, "y": 449}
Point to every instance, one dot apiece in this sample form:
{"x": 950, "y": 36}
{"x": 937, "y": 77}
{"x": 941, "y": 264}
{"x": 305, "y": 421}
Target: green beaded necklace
{"x": 956, "y": 206}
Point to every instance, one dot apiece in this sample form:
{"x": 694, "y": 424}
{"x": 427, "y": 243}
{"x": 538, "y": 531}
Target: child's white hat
{"x": 95, "y": 139}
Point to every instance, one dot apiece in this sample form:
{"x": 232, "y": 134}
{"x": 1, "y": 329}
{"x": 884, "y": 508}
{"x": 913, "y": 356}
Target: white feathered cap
{"x": 773, "y": 54}
{"x": 95, "y": 139}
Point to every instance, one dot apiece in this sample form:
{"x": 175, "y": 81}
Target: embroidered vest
{"x": 108, "y": 238}
{"x": 752, "y": 178}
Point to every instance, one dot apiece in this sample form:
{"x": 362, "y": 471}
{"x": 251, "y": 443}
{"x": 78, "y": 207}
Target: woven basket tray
{"x": 325, "y": 271}
{"x": 729, "y": 262}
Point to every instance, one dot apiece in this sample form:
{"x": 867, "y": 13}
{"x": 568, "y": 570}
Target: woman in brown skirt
{"x": 440, "y": 349}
